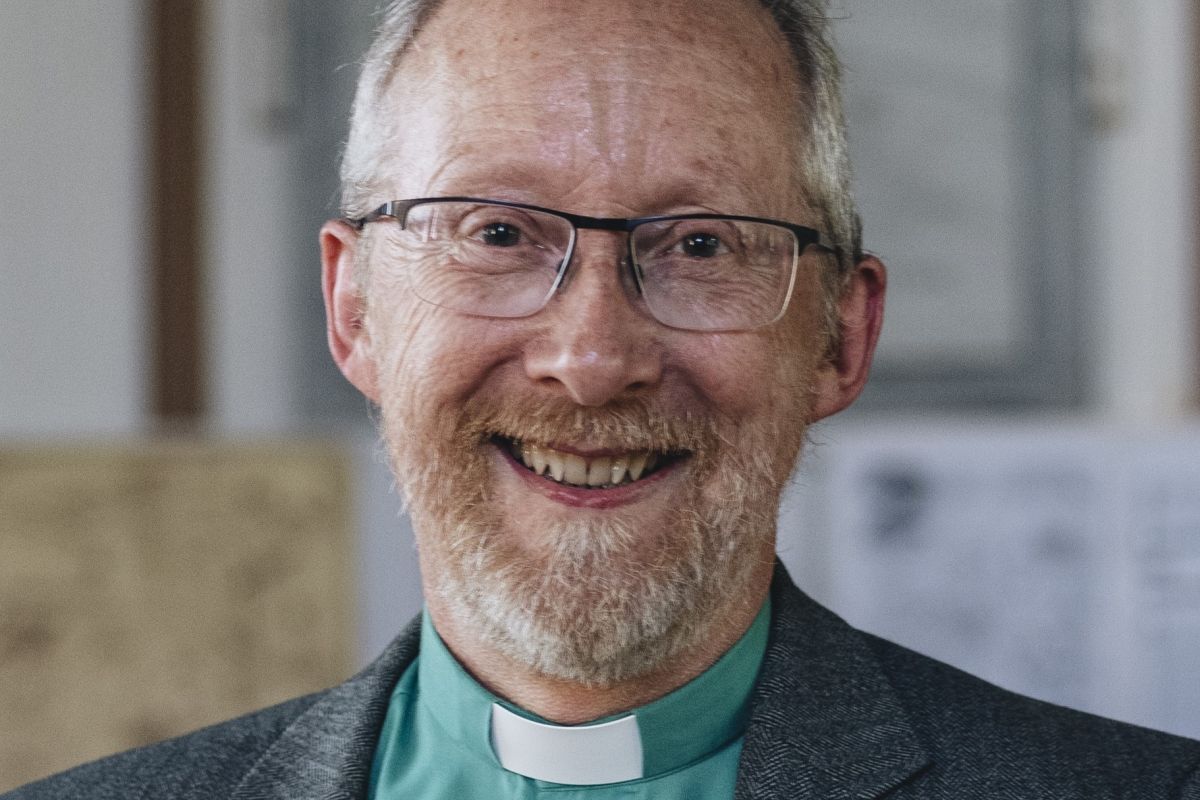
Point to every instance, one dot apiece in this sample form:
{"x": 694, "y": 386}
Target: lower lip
{"x": 578, "y": 497}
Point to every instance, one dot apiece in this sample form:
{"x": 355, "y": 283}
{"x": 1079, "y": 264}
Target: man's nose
{"x": 595, "y": 344}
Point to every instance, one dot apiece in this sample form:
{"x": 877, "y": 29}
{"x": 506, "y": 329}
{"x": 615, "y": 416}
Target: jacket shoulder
{"x": 979, "y": 730}
{"x": 207, "y": 763}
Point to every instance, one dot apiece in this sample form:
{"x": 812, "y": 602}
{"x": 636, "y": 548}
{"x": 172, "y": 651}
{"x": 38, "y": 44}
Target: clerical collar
{"x": 685, "y": 726}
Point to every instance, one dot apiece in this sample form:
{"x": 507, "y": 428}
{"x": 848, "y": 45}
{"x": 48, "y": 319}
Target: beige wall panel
{"x": 146, "y": 592}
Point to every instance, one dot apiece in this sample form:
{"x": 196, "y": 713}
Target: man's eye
{"x": 700, "y": 245}
{"x": 500, "y": 234}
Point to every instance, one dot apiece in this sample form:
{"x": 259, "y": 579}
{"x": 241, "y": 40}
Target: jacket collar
{"x": 327, "y": 751}
{"x": 824, "y": 720}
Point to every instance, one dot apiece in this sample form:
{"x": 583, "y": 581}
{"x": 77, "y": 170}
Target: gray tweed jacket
{"x": 837, "y": 714}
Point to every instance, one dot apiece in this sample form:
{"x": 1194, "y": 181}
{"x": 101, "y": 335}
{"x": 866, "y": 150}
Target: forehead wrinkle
{"x": 475, "y": 168}
{"x": 717, "y": 188}
{"x": 610, "y": 77}
{"x": 472, "y": 169}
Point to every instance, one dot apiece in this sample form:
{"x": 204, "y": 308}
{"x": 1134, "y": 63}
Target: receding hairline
{"x": 402, "y": 66}
{"x": 742, "y": 76}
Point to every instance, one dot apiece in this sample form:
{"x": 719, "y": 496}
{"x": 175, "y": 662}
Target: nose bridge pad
{"x": 633, "y": 271}
{"x": 564, "y": 269}
{"x": 627, "y": 269}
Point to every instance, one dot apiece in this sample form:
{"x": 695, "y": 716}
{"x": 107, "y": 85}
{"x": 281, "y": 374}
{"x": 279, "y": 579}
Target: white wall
{"x": 251, "y": 277}
{"x": 1142, "y": 226}
{"x": 73, "y": 243}
{"x": 72, "y": 233}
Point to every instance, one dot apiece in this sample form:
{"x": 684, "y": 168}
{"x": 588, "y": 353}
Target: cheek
{"x": 411, "y": 357}
{"x": 751, "y": 377}
{"x": 429, "y": 358}
{"x": 770, "y": 371}
{"x": 397, "y": 344}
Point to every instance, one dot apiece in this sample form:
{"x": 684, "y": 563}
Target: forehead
{"x": 672, "y": 102}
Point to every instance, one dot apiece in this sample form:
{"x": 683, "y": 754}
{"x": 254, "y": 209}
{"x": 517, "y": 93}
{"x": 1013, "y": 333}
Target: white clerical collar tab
{"x": 584, "y": 755}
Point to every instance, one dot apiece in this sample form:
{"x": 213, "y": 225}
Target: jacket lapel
{"x": 825, "y": 723}
{"x": 328, "y": 750}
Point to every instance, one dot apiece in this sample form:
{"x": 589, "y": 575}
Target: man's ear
{"x": 345, "y": 307}
{"x": 860, "y": 315}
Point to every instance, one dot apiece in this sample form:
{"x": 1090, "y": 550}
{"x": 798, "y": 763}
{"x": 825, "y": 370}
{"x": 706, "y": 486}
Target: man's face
{"x": 604, "y": 109}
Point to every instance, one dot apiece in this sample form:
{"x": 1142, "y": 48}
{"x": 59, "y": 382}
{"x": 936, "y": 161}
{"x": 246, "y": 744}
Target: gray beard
{"x": 603, "y": 602}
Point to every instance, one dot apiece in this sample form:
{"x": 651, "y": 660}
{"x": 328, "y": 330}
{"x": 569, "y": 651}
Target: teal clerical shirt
{"x": 437, "y": 739}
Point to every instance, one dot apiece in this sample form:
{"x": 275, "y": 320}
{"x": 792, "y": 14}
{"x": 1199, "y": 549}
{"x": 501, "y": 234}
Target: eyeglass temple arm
{"x": 825, "y": 244}
{"x": 391, "y": 208}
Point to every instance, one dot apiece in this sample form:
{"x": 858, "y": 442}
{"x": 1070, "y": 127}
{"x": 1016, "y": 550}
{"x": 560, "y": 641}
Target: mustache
{"x": 628, "y": 424}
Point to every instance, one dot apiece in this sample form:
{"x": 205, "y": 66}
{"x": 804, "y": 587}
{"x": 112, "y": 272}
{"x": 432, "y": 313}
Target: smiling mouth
{"x": 587, "y": 472}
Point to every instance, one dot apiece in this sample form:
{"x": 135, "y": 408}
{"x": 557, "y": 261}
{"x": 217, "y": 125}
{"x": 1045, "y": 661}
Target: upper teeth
{"x": 580, "y": 471}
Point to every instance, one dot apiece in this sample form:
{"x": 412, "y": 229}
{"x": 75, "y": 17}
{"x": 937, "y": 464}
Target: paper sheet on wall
{"x": 1060, "y": 563}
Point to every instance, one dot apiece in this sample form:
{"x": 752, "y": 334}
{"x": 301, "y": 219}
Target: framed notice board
{"x": 966, "y": 127}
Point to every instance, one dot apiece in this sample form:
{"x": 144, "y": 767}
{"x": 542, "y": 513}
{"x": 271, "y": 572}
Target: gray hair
{"x": 823, "y": 154}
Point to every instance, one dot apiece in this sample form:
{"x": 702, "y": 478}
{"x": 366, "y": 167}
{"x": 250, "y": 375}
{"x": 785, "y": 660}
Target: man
{"x": 599, "y": 270}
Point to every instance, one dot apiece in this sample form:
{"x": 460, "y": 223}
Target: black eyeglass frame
{"x": 805, "y": 236}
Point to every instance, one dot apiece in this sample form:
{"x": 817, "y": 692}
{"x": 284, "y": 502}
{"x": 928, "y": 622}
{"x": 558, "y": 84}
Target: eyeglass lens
{"x": 499, "y": 261}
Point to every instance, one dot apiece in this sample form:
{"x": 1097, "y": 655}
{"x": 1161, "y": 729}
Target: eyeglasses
{"x": 701, "y": 272}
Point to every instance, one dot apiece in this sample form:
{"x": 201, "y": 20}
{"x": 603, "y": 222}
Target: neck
{"x": 569, "y": 703}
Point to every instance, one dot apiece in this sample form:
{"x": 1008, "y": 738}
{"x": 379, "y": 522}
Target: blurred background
{"x": 195, "y": 519}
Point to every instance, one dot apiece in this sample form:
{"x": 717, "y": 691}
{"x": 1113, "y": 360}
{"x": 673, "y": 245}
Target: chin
{"x": 599, "y": 599}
